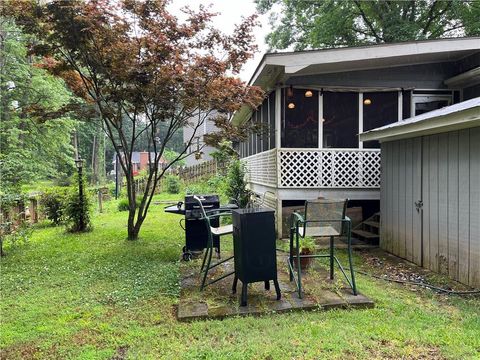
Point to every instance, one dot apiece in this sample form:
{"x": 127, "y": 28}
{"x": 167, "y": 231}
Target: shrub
{"x": 173, "y": 184}
{"x": 14, "y": 232}
{"x": 77, "y": 211}
{"x": 10, "y": 200}
{"x": 123, "y": 204}
{"x": 236, "y": 184}
{"x": 52, "y": 202}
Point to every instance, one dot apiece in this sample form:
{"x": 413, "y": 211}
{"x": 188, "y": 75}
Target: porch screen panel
{"x": 382, "y": 110}
{"x": 265, "y": 125}
{"x": 300, "y": 123}
{"x": 271, "y": 106}
{"x": 250, "y": 141}
{"x": 340, "y": 120}
{"x": 258, "y": 134}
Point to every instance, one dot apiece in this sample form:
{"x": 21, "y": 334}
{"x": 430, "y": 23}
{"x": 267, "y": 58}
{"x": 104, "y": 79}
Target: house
{"x": 198, "y": 151}
{"x": 430, "y": 189}
{"x": 318, "y": 101}
{"x": 140, "y": 161}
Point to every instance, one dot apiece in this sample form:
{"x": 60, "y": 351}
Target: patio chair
{"x": 218, "y": 231}
{"x": 322, "y": 218}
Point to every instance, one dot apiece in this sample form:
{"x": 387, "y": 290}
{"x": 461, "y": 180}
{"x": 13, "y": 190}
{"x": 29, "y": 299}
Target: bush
{"x": 77, "y": 211}
{"x": 10, "y": 200}
{"x": 52, "y": 202}
{"x": 14, "y": 232}
{"x": 123, "y": 204}
{"x": 173, "y": 184}
{"x": 236, "y": 185}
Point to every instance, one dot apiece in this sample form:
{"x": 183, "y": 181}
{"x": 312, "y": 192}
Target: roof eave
{"x": 464, "y": 119}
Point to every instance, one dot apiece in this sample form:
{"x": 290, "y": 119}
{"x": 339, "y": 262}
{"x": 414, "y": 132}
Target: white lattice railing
{"x": 262, "y": 168}
{"x": 315, "y": 168}
{"x": 329, "y": 168}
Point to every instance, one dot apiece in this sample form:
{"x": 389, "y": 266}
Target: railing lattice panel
{"x": 316, "y": 168}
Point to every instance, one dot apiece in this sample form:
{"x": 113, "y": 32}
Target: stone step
{"x": 374, "y": 224}
{"x": 365, "y": 234}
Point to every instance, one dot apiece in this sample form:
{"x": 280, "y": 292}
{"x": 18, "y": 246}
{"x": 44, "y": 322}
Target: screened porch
{"x": 310, "y": 135}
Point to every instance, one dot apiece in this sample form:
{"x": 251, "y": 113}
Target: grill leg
{"x": 277, "y": 289}
{"x": 267, "y": 285}
{"x": 234, "y": 286}
{"x": 243, "y": 301}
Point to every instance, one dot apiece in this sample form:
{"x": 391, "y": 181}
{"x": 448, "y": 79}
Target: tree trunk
{"x": 95, "y": 160}
{"x": 132, "y": 228}
{"x": 133, "y": 233}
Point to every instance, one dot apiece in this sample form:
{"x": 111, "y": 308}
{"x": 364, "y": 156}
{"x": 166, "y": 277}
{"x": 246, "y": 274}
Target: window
{"x": 340, "y": 120}
{"x": 425, "y": 101}
{"x": 379, "y": 109}
{"x": 299, "y": 118}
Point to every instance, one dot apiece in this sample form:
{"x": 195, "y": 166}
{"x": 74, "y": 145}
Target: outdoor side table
{"x": 254, "y": 249}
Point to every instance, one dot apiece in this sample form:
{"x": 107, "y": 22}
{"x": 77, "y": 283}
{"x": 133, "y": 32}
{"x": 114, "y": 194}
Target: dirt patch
{"x": 379, "y": 263}
{"x": 386, "y": 349}
{"x": 20, "y": 351}
{"x": 121, "y": 353}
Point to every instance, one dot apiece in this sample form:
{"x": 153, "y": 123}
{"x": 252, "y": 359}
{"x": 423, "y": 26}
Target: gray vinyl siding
{"x": 207, "y": 128}
{"x": 444, "y": 171}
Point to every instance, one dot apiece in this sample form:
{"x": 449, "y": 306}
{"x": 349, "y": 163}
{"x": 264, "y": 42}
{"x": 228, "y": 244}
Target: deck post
{"x": 279, "y": 217}
{"x": 278, "y": 117}
{"x": 360, "y": 118}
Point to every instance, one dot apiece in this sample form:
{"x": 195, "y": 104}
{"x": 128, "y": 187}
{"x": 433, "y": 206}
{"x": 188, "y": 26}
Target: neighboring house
{"x": 320, "y": 100}
{"x": 430, "y": 189}
{"x": 140, "y": 161}
{"x": 198, "y": 151}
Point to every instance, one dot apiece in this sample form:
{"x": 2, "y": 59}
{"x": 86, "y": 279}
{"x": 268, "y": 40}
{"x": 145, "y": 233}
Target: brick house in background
{"x": 140, "y": 161}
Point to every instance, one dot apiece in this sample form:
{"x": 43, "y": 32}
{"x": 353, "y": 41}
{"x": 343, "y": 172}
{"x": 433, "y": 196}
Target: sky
{"x": 230, "y": 13}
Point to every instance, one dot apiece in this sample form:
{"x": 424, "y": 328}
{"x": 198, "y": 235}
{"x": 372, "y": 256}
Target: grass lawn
{"x": 99, "y": 296}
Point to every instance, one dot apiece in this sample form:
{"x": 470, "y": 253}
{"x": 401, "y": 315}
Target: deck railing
{"x": 262, "y": 168}
{"x": 316, "y": 168}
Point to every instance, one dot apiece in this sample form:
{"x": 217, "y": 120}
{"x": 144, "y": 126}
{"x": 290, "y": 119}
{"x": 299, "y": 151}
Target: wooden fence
{"x": 140, "y": 184}
{"x": 200, "y": 171}
{"x": 22, "y": 210}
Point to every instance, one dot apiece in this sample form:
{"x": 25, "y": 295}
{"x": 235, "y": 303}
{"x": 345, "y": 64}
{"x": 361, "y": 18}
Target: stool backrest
{"x": 324, "y": 210}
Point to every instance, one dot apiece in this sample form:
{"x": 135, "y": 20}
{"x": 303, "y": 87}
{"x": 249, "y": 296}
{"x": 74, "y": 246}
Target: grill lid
{"x": 211, "y": 201}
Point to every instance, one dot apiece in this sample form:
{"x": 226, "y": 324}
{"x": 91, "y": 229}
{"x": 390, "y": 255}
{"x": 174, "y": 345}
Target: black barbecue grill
{"x": 196, "y": 234}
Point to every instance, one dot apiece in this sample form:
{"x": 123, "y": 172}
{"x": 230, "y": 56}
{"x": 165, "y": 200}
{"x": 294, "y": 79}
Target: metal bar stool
{"x": 218, "y": 231}
{"x": 323, "y": 218}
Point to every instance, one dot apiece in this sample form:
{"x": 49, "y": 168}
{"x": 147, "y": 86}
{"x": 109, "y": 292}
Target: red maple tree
{"x": 138, "y": 63}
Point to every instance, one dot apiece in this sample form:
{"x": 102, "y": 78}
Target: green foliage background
{"x": 310, "y": 24}
{"x": 30, "y": 148}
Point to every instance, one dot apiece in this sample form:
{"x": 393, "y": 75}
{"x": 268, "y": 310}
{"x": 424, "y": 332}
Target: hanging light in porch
{"x": 290, "y": 91}
{"x": 367, "y": 102}
{"x": 308, "y": 93}
{"x": 291, "y": 105}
